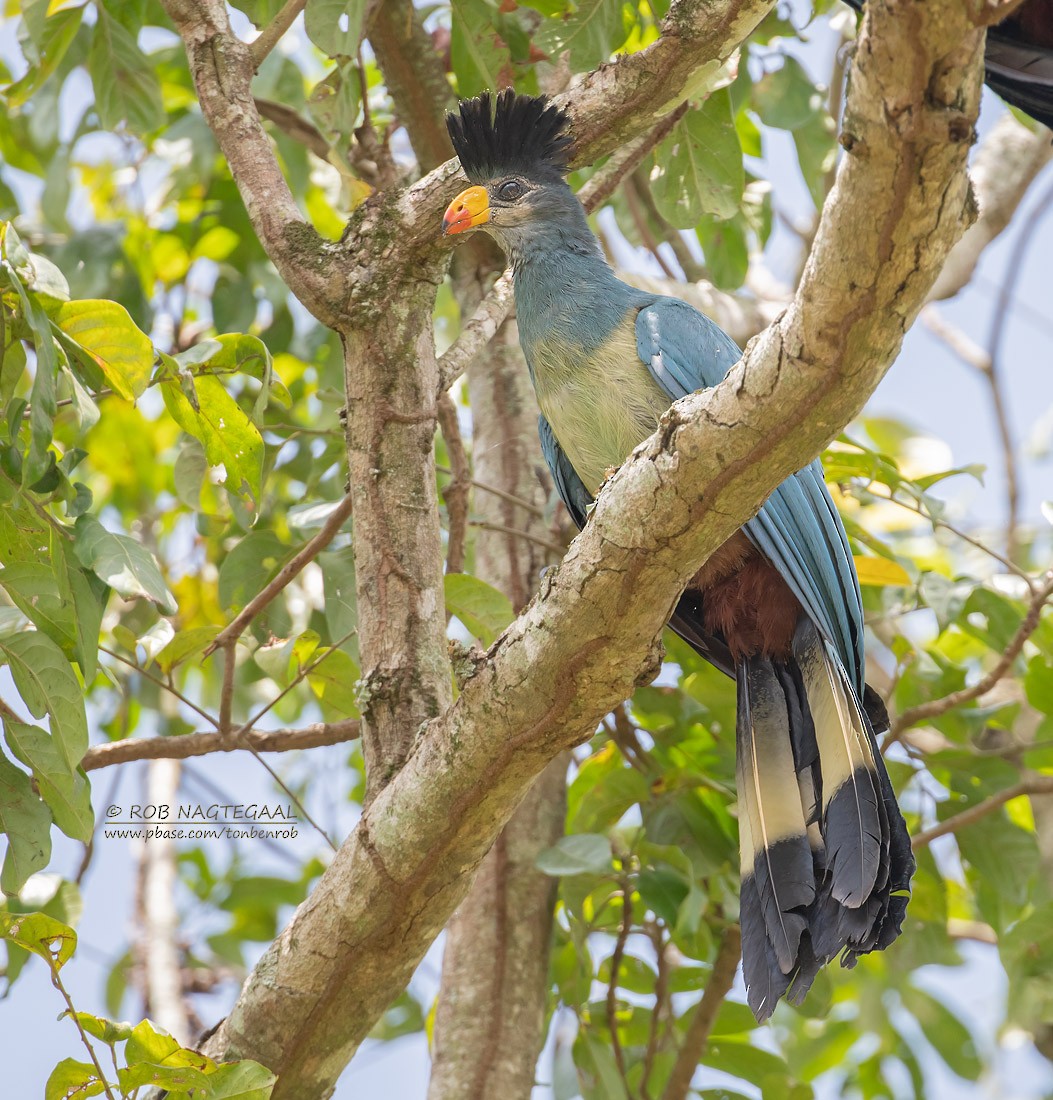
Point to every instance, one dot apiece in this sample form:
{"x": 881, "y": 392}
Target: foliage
{"x": 169, "y": 440}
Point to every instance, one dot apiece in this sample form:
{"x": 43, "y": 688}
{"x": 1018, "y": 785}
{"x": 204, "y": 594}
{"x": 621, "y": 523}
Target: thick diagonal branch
{"x": 898, "y": 206}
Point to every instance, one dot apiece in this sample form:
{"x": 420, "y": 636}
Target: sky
{"x": 927, "y": 385}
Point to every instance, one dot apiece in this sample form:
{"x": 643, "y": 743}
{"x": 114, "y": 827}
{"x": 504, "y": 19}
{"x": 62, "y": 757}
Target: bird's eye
{"x": 510, "y": 191}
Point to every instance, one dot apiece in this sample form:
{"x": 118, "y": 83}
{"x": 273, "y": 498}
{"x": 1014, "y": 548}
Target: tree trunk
{"x": 490, "y": 1022}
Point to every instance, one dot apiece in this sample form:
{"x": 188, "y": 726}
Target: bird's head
{"x": 515, "y": 152}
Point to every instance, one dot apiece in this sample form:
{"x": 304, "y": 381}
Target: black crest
{"x": 522, "y": 135}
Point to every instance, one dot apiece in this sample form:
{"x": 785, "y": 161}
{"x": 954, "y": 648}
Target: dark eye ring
{"x": 510, "y": 191}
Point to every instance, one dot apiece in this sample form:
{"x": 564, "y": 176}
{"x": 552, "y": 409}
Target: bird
{"x": 1018, "y": 58}
{"x": 825, "y": 858}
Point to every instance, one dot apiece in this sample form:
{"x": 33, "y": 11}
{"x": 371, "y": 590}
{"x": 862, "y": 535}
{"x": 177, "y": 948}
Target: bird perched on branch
{"x": 1018, "y": 58}
{"x": 825, "y": 856}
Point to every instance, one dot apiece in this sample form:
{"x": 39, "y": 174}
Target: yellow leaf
{"x": 881, "y": 572}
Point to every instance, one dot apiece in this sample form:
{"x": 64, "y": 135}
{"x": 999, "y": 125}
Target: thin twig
{"x": 202, "y": 744}
{"x": 275, "y": 30}
{"x": 476, "y": 332}
{"x": 501, "y": 529}
{"x": 643, "y": 228}
{"x": 236, "y": 736}
{"x": 56, "y": 981}
{"x": 1014, "y": 267}
{"x": 935, "y": 707}
{"x": 292, "y": 568}
{"x": 455, "y": 494}
{"x": 519, "y": 502}
{"x": 602, "y": 184}
{"x": 661, "y": 1004}
{"x": 162, "y": 684}
{"x": 1039, "y": 784}
{"x": 612, "y": 984}
{"x": 938, "y": 521}
{"x": 705, "y": 1015}
{"x": 226, "y": 692}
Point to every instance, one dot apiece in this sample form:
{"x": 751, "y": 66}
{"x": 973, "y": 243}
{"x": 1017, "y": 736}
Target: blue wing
{"x": 798, "y": 528}
{"x": 569, "y": 486}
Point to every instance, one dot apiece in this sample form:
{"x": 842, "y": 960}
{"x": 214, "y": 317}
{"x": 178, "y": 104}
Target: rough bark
{"x": 391, "y": 381}
{"x": 414, "y": 78}
{"x": 489, "y": 1025}
{"x": 898, "y": 206}
{"x": 1005, "y": 166}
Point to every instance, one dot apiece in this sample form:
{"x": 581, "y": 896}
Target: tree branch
{"x": 935, "y": 707}
{"x": 609, "y": 108}
{"x": 490, "y": 1016}
{"x": 288, "y": 572}
{"x": 897, "y": 207}
{"x": 203, "y": 744}
{"x": 273, "y": 33}
{"x": 456, "y": 493}
{"x": 1039, "y": 784}
{"x": 705, "y": 1015}
{"x": 1005, "y": 166}
{"x": 223, "y": 66}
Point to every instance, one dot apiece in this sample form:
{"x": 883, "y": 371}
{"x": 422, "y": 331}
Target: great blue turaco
{"x": 825, "y": 858}
{"x": 1018, "y": 58}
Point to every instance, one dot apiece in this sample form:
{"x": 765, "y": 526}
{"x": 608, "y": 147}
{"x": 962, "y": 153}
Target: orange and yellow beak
{"x": 471, "y": 208}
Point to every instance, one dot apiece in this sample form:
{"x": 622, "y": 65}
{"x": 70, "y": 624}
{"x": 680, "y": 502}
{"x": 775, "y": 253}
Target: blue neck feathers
{"x": 563, "y": 286}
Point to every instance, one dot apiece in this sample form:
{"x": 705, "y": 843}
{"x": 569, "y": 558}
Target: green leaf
{"x": 57, "y": 35}
{"x": 482, "y": 608}
{"x": 578, "y": 854}
{"x": 33, "y": 588}
{"x": 341, "y": 604}
{"x": 1003, "y": 856}
{"x": 663, "y": 892}
{"x": 1038, "y": 683}
{"x": 26, "y": 821}
{"x": 108, "y": 1031}
{"x": 106, "y": 333}
{"x": 124, "y": 564}
{"x": 126, "y": 85}
{"x": 72, "y": 1080}
{"x": 248, "y": 567}
{"x": 172, "y": 1078}
{"x": 786, "y": 97}
{"x": 726, "y": 250}
{"x": 44, "y": 936}
{"x": 186, "y": 644}
{"x": 333, "y": 682}
{"x": 43, "y": 405}
{"x": 591, "y": 32}
{"x": 335, "y": 26}
{"x": 66, "y": 792}
{"x": 945, "y": 1032}
{"x": 698, "y": 168}
{"x": 154, "y": 1046}
{"x": 229, "y": 437}
{"x": 479, "y": 57}
{"x": 246, "y": 1080}
{"x": 816, "y": 144}
{"x": 49, "y": 687}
